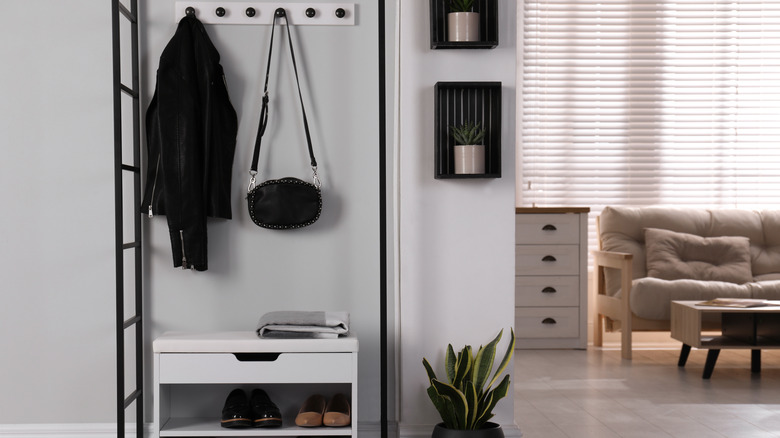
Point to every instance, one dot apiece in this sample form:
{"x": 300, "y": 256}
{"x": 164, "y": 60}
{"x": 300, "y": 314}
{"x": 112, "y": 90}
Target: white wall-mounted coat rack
{"x": 322, "y": 14}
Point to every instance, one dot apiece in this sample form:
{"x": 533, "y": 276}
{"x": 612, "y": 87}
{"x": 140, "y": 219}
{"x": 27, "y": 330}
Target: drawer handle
{"x": 549, "y": 258}
{"x": 549, "y": 321}
{"x": 256, "y": 357}
{"x": 549, "y": 227}
{"x": 549, "y": 290}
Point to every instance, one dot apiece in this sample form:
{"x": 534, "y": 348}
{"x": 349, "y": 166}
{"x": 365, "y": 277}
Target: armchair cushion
{"x": 651, "y": 297}
{"x": 675, "y": 256}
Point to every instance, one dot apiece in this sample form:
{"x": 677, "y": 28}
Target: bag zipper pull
{"x": 151, "y": 215}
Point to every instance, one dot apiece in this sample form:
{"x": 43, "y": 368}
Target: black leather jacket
{"x": 191, "y": 139}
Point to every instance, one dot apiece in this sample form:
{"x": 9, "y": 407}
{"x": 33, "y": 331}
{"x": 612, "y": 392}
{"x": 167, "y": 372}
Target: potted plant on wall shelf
{"x": 469, "y": 150}
{"x": 464, "y": 402}
{"x": 462, "y": 21}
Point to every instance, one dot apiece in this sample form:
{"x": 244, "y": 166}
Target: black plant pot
{"x": 489, "y": 430}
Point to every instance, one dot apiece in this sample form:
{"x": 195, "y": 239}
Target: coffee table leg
{"x": 712, "y": 357}
{"x": 684, "y": 352}
{"x": 755, "y": 361}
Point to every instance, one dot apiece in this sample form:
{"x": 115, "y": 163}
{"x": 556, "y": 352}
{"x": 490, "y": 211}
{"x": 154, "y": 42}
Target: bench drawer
{"x": 547, "y": 322}
{"x": 256, "y": 367}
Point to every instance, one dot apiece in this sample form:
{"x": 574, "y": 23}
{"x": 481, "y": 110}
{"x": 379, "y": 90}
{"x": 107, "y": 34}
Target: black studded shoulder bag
{"x": 289, "y": 202}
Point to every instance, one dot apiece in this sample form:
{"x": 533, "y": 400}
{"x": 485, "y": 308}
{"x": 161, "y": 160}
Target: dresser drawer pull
{"x": 549, "y": 321}
{"x": 549, "y": 258}
{"x": 256, "y": 357}
{"x": 549, "y": 290}
{"x": 549, "y": 227}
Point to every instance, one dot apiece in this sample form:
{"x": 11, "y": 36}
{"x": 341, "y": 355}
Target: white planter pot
{"x": 463, "y": 26}
{"x": 469, "y": 159}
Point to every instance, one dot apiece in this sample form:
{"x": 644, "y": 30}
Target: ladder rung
{"x": 131, "y": 321}
{"x": 132, "y": 397}
{"x": 129, "y": 91}
{"x": 134, "y": 169}
{"x": 129, "y": 15}
{"x": 131, "y": 245}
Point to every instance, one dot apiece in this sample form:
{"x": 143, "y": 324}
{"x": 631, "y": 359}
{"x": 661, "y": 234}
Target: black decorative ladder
{"x": 127, "y": 110}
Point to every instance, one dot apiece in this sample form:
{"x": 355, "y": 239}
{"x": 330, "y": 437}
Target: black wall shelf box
{"x": 460, "y": 102}
{"x": 488, "y": 26}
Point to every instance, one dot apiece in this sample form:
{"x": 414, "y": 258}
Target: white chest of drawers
{"x": 194, "y": 373}
{"x": 551, "y": 290}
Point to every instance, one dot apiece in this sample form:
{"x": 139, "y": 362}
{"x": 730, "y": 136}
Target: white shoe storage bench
{"x": 194, "y": 373}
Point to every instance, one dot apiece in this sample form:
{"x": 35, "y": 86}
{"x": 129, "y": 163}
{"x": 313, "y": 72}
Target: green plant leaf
{"x": 483, "y": 363}
{"x": 489, "y": 401}
{"x": 464, "y": 367}
{"x": 450, "y": 363}
{"x": 483, "y": 420}
{"x": 472, "y": 399}
{"x": 468, "y": 133}
{"x": 444, "y": 406}
{"x": 510, "y": 351}
{"x": 484, "y": 408}
{"x": 461, "y": 5}
{"x": 429, "y": 370}
{"x": 458, "y": 399}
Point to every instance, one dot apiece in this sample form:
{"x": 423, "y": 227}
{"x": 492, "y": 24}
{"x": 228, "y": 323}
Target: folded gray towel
{"x": 304, "y": 324}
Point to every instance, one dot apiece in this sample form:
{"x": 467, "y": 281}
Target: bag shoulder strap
{"x": 280, "y": 13}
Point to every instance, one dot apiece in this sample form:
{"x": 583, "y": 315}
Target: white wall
{"x": 57, "y": 222}
{"x": 456, "y": 239}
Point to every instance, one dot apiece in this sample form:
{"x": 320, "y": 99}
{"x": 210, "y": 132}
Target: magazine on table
{"x": 737, "y": 302}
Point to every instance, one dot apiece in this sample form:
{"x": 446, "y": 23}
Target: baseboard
{"x": 68, "y": 430}
{"x": 108, "y": 430}
{"x": 373, "y": 429}
{"x": 425, "y": 431}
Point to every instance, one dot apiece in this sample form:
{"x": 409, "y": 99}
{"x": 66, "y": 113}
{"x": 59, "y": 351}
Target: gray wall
{"x": 57, "y": 222}
{"x": 334, "y": 264}
{"x": 57, "y": 251}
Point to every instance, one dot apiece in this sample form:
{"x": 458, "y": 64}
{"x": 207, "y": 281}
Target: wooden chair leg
{"x": 598, "y": 330}
{"x": 625, "y": 343}
{"x": 625, "y": 336}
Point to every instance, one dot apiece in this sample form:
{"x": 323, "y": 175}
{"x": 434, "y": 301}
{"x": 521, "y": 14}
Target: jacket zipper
{"x": 154, "y": 185}
{"x": 183, "y": 254}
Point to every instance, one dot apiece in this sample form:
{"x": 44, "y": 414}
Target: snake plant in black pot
{"x": 465, "y": 400}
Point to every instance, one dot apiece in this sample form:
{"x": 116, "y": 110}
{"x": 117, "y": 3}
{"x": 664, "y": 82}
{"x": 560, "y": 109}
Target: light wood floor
{"x": 594, "y": 393}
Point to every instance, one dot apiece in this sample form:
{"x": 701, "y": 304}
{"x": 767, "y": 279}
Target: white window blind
{"x": 646, "y": 103}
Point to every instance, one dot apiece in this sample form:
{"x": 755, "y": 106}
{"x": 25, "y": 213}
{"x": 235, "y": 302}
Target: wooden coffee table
{"x": 753, "y": 328}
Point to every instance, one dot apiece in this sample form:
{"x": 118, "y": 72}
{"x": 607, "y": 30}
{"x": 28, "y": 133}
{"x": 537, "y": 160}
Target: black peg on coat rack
{"x": 190, "y": 11}
{"x": 220, "y": 11}
{"x": 280, "y": 12}
{"x": 310, "y": 12}
{"x": 340, "y": 12}
{"x": 250, "y": 12}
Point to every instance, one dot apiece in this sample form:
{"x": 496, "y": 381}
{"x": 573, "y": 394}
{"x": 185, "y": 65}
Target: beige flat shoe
{"x": 337, "y": 412}
{"x": 311, "y": 412}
